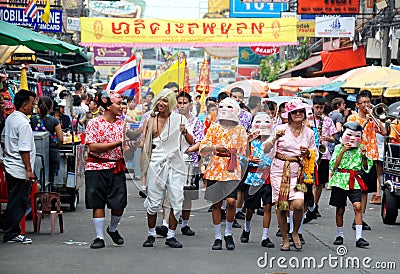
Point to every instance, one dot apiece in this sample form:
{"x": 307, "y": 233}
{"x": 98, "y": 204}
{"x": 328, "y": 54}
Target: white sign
{"x": 334, "y": 26}
{"x": 73, "y": 24}
{"x": 111, "y": 8}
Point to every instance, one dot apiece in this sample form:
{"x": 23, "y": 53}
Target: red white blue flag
{"x": 126, "y": 77}
{"x": 31, "y": 9}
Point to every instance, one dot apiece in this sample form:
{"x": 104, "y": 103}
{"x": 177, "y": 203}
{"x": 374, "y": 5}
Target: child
{"x": 257, "y": 184}
{"x": 226, "y": 139}
{"x": 348, "y": 159}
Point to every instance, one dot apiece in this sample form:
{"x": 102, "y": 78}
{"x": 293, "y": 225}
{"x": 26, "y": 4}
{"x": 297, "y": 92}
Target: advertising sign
{"x": 111, "y": 56}
{"x": 112, "y": 8}
{"x": 112, "y": 32}
{"x": 73, "y": 24}
{"x": 328, "y": 6}
{"x": 334, "y": 26}
{"x": 16, "y": 16}
{"x": 248, "y": 57}
{"x": 265, "y": 51}
{"x": 240, "y": 9}
{"x": 306, "y": 29}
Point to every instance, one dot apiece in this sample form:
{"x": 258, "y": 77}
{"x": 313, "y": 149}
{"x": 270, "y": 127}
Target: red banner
{"x": 328, "y": 6}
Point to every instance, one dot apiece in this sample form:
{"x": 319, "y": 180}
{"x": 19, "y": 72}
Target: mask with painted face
{"x": 351, "y": 135}
{"x": 262, "y": 122}
{"x": 229, "y": 109}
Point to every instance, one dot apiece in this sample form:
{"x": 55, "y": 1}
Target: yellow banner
{"x": 306, "y": 29}
{"x": 108, "y": 32}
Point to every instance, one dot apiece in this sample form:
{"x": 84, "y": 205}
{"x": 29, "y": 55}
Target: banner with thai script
{"x": 109, "y": 32}
{"x": 328, "y": 7}
{"x": 16, "y": 16}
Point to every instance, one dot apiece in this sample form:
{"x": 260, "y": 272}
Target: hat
{"x": 292, "y": 105}
{"x": 63, "y": 103}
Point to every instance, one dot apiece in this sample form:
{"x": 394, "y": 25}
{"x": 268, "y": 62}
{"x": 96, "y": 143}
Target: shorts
{"x": 193, "y": 194}
{"x": 323, "y": 172}
{"x": 217, "y": 191}
{"x": 309, "y": 195}
{"x": 245, "y": 171}
{"x": 263, "y": 193}
{"x": 339, "y": 197}
{"x": 370, "y": 179}
{"x": 103, "y": 187}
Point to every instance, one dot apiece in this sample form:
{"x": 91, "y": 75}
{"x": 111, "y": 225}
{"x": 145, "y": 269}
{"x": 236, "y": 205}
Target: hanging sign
{"x": 111, "y": 32}
{"x": 111, "y": 56}
{"x": 328, "y": 6}
{"x": 334, "y": 26}
{"x": 265, "y": 51}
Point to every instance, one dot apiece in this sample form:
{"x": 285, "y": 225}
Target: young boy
{"x": 257, "y": 185}
{"x": 226, "y": 139}
{"x": 348, "y": 159}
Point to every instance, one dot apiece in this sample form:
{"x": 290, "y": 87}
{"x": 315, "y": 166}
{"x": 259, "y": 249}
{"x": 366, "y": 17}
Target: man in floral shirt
{"x": 105, "y": 169}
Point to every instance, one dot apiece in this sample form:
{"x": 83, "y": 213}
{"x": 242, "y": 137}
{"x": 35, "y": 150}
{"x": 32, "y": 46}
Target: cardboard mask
{"x": 263, "y": 123}
{"x": 229, "y": 109}
{"x": 351, "y": 136}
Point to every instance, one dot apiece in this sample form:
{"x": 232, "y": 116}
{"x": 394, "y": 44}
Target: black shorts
{"x": 262, "y": 193}
{"x": 217, "y": 191}
{"x": 323, "y": 172}
{"x": 245, "y": 172}
{"x": 370, "y": 178}
{"x": 103, "y": 187}
{"x": 339, "y": 197}
{"x": 309, "y": 195}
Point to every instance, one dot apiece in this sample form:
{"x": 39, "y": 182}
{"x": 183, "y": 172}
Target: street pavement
{"x": 69, "y": 252}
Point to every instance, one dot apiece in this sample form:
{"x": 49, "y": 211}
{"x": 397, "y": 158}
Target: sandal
{"x": 285, "y": 248}
{"x": 297, "y": 244}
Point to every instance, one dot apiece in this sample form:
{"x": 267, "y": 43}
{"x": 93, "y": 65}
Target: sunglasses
{"x": 298, "y": 111}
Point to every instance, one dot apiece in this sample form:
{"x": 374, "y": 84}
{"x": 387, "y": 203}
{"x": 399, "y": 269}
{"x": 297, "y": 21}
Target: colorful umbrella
{"x": 250, "y": 87}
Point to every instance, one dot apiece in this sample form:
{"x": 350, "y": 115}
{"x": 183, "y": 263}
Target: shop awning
{"x": 313, "y": 60}
{"x": 342, "y": 59}
{"x": 13, "y": 35}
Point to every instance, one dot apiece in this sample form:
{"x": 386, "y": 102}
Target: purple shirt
{"x": 198, "y": 133}
{"x": 245, "y": 119}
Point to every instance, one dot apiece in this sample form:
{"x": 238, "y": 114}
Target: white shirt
{"x": 17, "y": 137}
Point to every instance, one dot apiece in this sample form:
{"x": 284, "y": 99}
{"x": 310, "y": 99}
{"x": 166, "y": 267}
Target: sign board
{"x": 248, "y": 57}
{"x": 328, "y": 6}
{"x": 112, "y": 8}
{"x": 239, "y": 9}
{"x": 46, "y": 69}
{"x": 306, "y": 29}
{"x": 265, "y": 51}
{"x": 16, "y": 16}
{"x": 111, "y": 56}
{"x": 247, "y": 72}
{"x": 334, "y": 26}
{"x": 22, "y": 58}
{"x": 222, "y": 52}
{"x": 73, "y": 24}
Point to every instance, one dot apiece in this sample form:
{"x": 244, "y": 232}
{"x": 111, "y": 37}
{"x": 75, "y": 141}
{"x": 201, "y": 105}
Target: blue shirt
{"x": 255, "y": 179}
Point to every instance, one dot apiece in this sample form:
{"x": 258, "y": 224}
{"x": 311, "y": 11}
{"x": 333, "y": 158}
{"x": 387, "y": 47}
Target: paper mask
{"x": 228, "y": 109}
{"x": 263, "y": 123}
{"x": 351, "y": 136}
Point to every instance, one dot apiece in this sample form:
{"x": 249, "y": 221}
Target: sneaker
{"x": 260, "y": 211}
{"x": 361, "y": 243}
{"x": 310, "y": 215}
{"x": 338, "y": 241}
{"x": 97, "y": 243}
{"x": 174, "y": 243}
{"x": 244, "y": 238}
{"x": 142, "y": 193}
{"x": 217, "y": 245}
{"x": 240, "y": 216}
{"x": 149, "y": 242}
{"x": 236, "y": 224}
{"x": 267, "y": 243}
{"x": 20, "y": 239}
{"x": 187, "y": 231}
{"x": 278, "y": 233}
{"x": 116, "y": 237}
{"x": 229, "y": 243}
{"x": 162, "y": 230}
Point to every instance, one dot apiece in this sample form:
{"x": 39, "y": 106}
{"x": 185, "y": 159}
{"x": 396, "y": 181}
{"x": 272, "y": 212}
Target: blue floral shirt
{"x": 255, "y": 179}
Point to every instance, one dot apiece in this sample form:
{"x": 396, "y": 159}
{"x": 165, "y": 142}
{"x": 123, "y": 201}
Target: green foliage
{"x": 304, "y": 51}
{"x": 270, "y": 69}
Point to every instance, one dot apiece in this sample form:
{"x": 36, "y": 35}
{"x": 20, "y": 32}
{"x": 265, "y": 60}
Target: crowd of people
{"x": 250, "y": 158}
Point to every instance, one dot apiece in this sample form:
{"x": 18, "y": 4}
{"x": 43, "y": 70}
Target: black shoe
{"x": 187, "y": 231}
{"x": 217, "y": 245}
{"x": 229, "y": 243}
{"x": 244, "y": 238}
{"x": 116, "y": 237}
{"x": 223, "y": 215}
{"x": 365, "y": 226}
{"x": 278, "y": 233}
{"x": 172, "y": 242}
{"x": 310, "y": 215}
{"x": 338, "y": 241}
{"x": 162, "y": 230}
{"x": 149, "y": 242}
{"x": 267, "y": 243}
{"x": 316, "y": 211}
{"x": 361, "y": 243}
{"x": 260, "y": 211}
{"x": 142, "y": 193}
{"x": 236, "y": 224}
{"x": 240, "y": 216}
{"x": 97, "y": 243}
{"x": 302, "y": 239}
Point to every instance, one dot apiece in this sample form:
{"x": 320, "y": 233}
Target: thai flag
{"x": 126, "y": 77}
{"x": 31, "y": 9}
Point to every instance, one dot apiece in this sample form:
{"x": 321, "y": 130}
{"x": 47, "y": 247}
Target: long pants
{"x": 18, "y": 200}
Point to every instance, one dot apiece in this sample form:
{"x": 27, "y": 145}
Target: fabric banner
{"x": 107, "y": 32}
